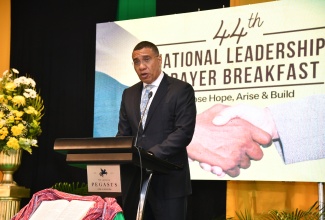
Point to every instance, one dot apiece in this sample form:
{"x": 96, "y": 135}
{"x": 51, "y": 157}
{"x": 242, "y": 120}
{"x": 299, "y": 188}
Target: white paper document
{"x": 62, "y": 210}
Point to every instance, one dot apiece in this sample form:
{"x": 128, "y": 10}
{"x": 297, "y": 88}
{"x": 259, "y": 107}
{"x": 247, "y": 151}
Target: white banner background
{"x": 275, "y": 49}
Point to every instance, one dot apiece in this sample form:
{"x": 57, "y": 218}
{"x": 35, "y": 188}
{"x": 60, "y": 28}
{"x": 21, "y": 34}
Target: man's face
{"x": 147, "y": 64}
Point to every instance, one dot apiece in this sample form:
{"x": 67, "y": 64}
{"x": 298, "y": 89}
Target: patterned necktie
{"x": 144, "y": 102}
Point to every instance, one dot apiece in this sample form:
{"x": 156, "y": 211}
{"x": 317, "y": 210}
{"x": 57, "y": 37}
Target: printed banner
{"x": 261, "y": 63}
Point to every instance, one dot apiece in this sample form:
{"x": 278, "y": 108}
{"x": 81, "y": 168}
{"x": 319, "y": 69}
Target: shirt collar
{"x": 156, "y": 83}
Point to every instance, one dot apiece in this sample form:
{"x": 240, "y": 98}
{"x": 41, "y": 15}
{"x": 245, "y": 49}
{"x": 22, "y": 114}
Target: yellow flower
{"x": 19, "y": 100}
{"x": 3, "y": 133}
{"x": 4, "y": 99}
{"x": 2, "y": 123}
{"x": 13, "y": 143}
{"x": 30, "y": 110}
{"x": 18, "y": 115}
{"x": 10, "y": 119}
{"x": 10, "y": 86}
{"x": 17, "y": 129}
{"x": 2, "y": 114}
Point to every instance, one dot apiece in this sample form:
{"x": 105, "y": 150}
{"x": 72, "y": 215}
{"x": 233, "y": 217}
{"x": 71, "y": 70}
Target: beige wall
{"x": 259, "y": 197}
{"x": 5, "y": 35}
{"x": 247, "y": 2}
{"x": 4, "y": 38}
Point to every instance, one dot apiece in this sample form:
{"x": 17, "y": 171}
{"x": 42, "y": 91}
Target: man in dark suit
{"x": 166, "y": 130}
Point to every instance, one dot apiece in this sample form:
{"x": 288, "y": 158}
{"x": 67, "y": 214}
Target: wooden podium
{"x": 114, "y": 150}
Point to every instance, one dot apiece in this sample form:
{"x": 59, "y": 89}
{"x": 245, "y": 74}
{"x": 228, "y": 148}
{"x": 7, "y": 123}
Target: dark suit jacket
{"x": 169, "y": 129}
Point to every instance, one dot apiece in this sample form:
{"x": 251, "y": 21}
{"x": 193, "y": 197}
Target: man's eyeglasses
{"x": 146, "y": 60}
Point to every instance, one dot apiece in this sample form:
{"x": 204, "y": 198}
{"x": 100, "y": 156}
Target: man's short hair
{"x": 147, "y": 44}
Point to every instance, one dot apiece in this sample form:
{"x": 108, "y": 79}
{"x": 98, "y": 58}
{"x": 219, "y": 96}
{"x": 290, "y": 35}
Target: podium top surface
{"x": 110, "y": 150}
{"x": 107, "y": 143}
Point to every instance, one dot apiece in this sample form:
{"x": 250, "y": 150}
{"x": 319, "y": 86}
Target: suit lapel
{"x": 161, "y": 92}
{"x": 137, "y": 100}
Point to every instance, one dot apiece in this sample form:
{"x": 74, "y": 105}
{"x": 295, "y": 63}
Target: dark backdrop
{"x": 54, "y": 42}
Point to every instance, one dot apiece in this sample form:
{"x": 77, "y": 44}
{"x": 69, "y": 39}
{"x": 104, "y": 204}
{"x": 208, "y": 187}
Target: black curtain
{"x": 53, "y": 41}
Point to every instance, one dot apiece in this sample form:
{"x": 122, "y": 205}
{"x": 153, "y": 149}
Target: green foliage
{"x": 223, "y": 218}
{"x": 73, "y": 188}
{"x": 244, "y": 216}
{"x": 313, "y": 213}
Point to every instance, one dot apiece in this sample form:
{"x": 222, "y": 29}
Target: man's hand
{"x": 260, "y": 117}
{"x": 230, "y": 146}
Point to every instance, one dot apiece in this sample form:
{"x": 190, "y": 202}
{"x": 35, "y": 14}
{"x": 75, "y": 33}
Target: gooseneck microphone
{"x": 136, "y": 137}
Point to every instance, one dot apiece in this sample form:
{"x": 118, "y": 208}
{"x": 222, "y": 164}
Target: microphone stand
{"x": 146, "y": 183}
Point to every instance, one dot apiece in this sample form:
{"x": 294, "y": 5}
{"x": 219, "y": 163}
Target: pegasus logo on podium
{"x": 102, "y": 172}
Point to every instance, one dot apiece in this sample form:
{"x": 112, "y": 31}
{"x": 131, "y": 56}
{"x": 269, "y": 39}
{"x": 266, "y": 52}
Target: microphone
{"x": 136, "y": 137}
{"x": 149, "y": 96}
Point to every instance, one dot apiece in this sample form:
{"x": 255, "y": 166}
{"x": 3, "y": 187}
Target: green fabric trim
{"x": 119, "y": 216}
{"x": 132, "y": 9}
